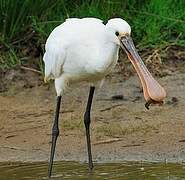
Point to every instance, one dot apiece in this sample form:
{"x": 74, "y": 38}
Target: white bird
{"x": 87, "y": 50}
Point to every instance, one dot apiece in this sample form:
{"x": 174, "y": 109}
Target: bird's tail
{"x": 48, "y": 69}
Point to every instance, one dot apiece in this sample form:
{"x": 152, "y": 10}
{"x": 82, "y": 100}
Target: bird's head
{"x": 153, "y": 91}
{"x": 119, "y": 26}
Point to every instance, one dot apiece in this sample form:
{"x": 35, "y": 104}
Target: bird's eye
{"x": 117, "y": 33}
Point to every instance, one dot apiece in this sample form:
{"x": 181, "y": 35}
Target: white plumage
{"x": 82, "y": 50}
{"x": 86, "y": 50}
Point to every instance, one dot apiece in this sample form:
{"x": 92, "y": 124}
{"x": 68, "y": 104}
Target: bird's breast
{"x": 105, "y": 59}
{"x": 89, "y": 61}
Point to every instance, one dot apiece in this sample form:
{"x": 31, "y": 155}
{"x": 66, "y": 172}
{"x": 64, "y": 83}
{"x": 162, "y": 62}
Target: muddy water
{"x": 73, "y": 170}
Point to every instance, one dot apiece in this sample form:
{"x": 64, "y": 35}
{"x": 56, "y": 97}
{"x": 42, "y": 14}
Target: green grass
{"x": 154, "y": 23}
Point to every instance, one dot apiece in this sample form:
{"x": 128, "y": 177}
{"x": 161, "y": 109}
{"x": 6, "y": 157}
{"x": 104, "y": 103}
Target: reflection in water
{"x": 77, "y": 171}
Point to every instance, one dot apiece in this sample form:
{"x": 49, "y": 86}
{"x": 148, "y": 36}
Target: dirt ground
{"x": 121, "y": 129}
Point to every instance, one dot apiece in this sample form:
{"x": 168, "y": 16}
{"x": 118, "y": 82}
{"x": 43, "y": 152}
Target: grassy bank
{"x": 25, "y": 24}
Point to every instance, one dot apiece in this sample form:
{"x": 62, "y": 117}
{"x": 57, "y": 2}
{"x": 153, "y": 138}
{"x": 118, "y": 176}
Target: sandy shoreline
{"x": 121, "y": 130}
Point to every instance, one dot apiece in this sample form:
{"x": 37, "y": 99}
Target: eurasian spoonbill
{"x": 87, "y": 50}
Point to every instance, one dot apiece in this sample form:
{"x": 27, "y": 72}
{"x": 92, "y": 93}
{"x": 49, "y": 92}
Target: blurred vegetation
{"x": 26, "y": 24}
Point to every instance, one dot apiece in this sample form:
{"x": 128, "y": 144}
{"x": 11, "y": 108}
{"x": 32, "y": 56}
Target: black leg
{"x": 55, "y": 133}
{"x": 87, "y": 122}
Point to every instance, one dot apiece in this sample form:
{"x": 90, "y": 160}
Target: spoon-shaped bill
{"x": 153, "y": 91}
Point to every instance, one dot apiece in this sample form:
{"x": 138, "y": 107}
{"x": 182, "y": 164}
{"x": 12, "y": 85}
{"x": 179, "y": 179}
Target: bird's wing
{"x": 72, "y": 30}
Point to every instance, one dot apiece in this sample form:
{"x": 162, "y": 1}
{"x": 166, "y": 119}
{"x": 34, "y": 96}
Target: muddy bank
{"x": 121, "y": 129}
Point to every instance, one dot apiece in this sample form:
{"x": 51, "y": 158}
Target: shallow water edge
{"x": 75, "y": 170}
